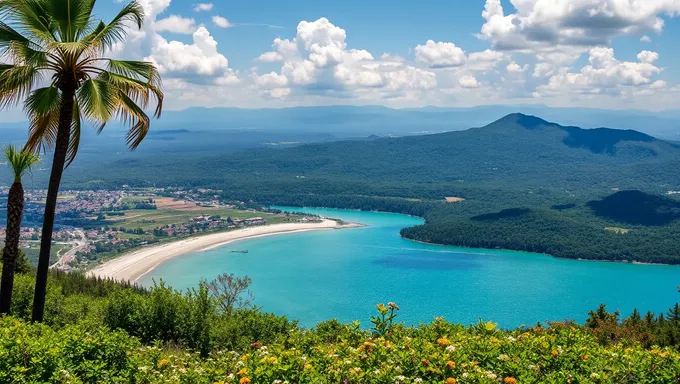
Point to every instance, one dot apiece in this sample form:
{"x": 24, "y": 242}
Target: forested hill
{"x": 518, "y": 183}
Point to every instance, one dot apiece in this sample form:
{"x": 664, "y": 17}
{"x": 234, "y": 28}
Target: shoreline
{"x": 133, "y": 265}
{"x": 633, "y": 262}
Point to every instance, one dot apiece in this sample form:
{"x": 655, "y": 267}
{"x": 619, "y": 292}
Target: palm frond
{"x": 97, "y": 100}
{"x": 20, "y": 161}
{"x": 139, "y": 91}
{"x": 105, "y": 36}
{"x": 131, "y": 113}
{"x": 74, "y": 140}
{"x": 42, "y": 108}
{"x": 23, "y": 54}
{"x": 71, "y": 17}
{"x": 32, "y": 18}
{"x": 16, "y": 82}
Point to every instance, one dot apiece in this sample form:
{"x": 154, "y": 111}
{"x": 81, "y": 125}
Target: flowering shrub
{"x": 439, "y": 352}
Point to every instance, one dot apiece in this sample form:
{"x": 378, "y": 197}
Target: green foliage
{"x": 164, "y": 314}
{"x": 439, "y": 352}
{"x": 22, "y": 266}
{"x": 384, "y": 321}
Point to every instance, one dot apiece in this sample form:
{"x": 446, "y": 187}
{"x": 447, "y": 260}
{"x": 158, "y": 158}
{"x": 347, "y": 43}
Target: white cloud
{"x": 221, "y": 22}
{"x": 203, "y": 7}
{"x": 556, "y": 24}
{"x": 317, "y": 61}
{"x": 440, "y": 54}
{"x": 605, "y": 74}
{"x": 175, "y": 24}
{"x": 190, "y": 61}
{"x": 514, "y": 67}
{"x": 646, "y": 39}
{"x": 468, "y": 82}
{"x": 648, "y": 57}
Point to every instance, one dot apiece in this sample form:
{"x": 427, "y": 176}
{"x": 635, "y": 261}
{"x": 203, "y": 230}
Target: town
{"x": 93, "y": 225}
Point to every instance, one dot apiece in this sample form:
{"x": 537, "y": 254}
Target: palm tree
{"x": 58, "y": 43}
{"x": 20, "y": 162}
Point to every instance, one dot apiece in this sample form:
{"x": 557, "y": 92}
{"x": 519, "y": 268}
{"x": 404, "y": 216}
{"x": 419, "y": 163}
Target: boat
{"x": 240, "y": 251}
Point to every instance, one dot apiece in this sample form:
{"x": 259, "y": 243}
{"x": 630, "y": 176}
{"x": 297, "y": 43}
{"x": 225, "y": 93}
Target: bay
{"x": 316, "y": 276}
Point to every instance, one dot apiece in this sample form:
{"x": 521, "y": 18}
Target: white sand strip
{"x": 133, "y": 265}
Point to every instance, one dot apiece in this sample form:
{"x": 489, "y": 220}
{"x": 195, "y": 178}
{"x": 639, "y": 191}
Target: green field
{"x": 150, "y": 219}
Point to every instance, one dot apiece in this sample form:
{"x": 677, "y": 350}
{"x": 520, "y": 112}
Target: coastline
{"x": 133, "y": 265}
{"x": 542, "y": 254}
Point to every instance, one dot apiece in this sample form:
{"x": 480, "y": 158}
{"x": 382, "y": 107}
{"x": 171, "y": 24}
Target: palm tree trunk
{"x": 60, "y": 151}
{"x": 15, "y": 209}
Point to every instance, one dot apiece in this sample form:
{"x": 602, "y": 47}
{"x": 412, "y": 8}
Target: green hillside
{"x": 519, "y": 162}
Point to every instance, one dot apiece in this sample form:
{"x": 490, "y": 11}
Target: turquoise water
{"x": 315, "y": 276}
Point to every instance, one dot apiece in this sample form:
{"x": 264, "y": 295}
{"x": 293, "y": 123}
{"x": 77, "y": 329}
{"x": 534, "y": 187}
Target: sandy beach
{"x": 133, "y": 265}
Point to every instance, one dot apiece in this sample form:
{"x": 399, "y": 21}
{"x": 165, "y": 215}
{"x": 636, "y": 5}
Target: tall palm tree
{"x": 20, "y": 162}
{"x": 59, "y": 44}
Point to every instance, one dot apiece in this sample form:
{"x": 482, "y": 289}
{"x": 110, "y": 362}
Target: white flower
{"x": 417, "y": 380}
{"x": 230, "y": 376}
{"x": 451, "y": 348}
{"x": 465, "y": 374}
{"x": 400, "y": 379}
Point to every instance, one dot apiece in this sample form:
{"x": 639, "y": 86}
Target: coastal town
{"x": 93, "y": 225}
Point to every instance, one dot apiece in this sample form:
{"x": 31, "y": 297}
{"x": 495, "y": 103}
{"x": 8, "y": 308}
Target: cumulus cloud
{"x": 648, "y": 57}
{"x": 191, "y": 61}
{"x": 175, "y": 24}
{"x": 468, "y": 82}
{"x": 440, "y": 54}
{"x": 203, "y": 7}
{"x": 550, "y": 24}
{"x": 514, "y": 67}
{"x": 221, "y": 22}
{"x": 605, "y": 74}
{"x": 318, "y": 61}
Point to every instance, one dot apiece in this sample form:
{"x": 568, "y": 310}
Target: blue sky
{"x": 612, "y": 54}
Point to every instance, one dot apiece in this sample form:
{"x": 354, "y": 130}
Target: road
{"x": 78, "y": 245}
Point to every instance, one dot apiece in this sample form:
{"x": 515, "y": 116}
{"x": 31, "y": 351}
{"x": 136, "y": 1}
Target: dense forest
{"x": 522, "y": 183}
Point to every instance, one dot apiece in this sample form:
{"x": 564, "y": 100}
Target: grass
{"x": 150, "y": 219}
{"x": 32, "y": 254}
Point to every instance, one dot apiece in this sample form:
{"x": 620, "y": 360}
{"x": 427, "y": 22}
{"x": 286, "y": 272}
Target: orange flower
{"x": 244, "y": 380}
{"x": 426, "y": 362}
{"x": 510, "y": 380}
{"x": 162, "y": 363}
{"x": 451, "y": 364}
{"x": 451, "y": 380}
{"x": 443, "y": 341}
{"x": 555, "y": 353}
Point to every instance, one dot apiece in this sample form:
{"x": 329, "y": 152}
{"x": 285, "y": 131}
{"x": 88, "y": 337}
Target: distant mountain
{"x": 518, "y": 151}
{"x": 362, "y": 121}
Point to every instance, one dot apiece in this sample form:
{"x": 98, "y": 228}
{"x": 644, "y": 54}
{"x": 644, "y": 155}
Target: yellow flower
{"x": 443, "y": 341}
{"x": 451, "y": 364}
{"x": 308, "y": 366}
{"x": 510, "y": 380}
{"x": 162, "y": 363}
{"x": 451, "y": 380}
{"x": 242, "y": 372}
{"x": 495, "y": 340}
{"x": 244, "y": 380}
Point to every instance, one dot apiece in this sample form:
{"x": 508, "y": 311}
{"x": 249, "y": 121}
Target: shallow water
{"x": 315, "y": 276}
